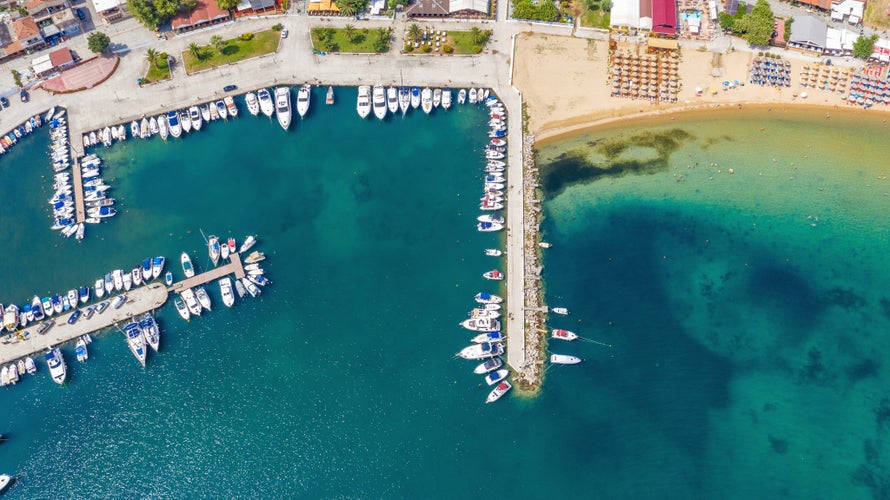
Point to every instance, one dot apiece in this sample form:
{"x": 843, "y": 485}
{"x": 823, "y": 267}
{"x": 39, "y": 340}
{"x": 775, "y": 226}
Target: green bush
{"x": 163, "y": 56}
{"x": 278, "y": 27}
{"x": 409, "y": 48}
{"x": 448, "y": 49}
{"x": 247, "y": 37}
{"x": 427, "y": 49}
{"x": 477, "y": 49}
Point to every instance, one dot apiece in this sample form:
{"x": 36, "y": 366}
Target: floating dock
{"x": 233, "y": 267}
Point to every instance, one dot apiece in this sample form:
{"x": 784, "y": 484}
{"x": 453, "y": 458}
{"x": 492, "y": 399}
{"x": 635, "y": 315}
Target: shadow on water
{"x": 576, "y": 167}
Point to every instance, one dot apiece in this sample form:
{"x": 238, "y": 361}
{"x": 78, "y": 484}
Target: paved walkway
{"x": 83, "y": 76}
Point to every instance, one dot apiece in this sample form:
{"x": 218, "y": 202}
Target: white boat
{"x": 446, "y": 99}
{"x": 498, "y": 392}
{"x": 493, "y": 252}
{"x": 134, "y": 130}
{"x": 5, "y": 479}
{"x": 144, "y": 128}
{"x": 109, "y": 283}
{"x": 162, "y": 127}
{"x": 195, "y": 116}
{"x": 4, "y": 376}
{"x": 249, "y": 242}
{"x": 175, "y": 125}
{"x": 415, "y": 97}
{"x": 136, "y": 341}
{"x": 404, "y": 99}
{"x": 153, "y": 125}
{"x": 80, "y": 350}
{"x": 494, "y": 274}
{"x": 267, "y": 105}
{"x": 481, "y": 94}
{"x": 481, "y": 351}
{"x": 560, "y": 310}
{"x": 150, "y": 331}
{"x": 563, "y": 334}
{"x": 489, "y": 227}
{"x": 146, "y": 269}
{"x": 185, "y": 120}
{"x": 239, "y": 288}
{"x": 491, "y": 218}
{"x": 303, "y": 96}
{"x": 282, "y": 106}
{"x": 214, "y": 112}
{"x": 213, "y": 249}
{"x": 379, "y": 102}
{"x": 99, "y": 288}
{"x": 221, "y": 109}
{"x": 181, "y": 308}
{"x": 495, "y": 377}
{"x": 168, "y": 278}
{"x": 437, "y": 97}
{"x": 472, "y": 96}
{"x": 224, "y": 251}
{"x": 564, "y": 359}
{"x": 462, "y": 96}
{"x": 488, "y": 298}
{"x": 231, "y": 107}
{"x": 392, "y": 100}
{"x": 252, "y": 289}
{"x": 490, "y": 204}
{"x": 488, "y": 337}
{"x": 481, "y": 324}
{"x": 127, "y": 279}
{"x": 203, "y": 297}
{"x": 13, "y": 374}
{"x": 136, "y": 276}
{"x": 116, "y": 275}
{"x": 30, "y": 367}
{"x": 488, "y": 365}
{"x": 187, "y": 267}
{"x": 363, "y": 101}
{"x": 253, "y": 105}
{"x": 205, "y": 113}
{"x": 157, "y": 266}
{"x": 57, "y": 369}
{"x": 228, "y": 295}
{"x": 73, "y": 297}
{"x": 426, "y": 100}
{"x": 188, "y": 295}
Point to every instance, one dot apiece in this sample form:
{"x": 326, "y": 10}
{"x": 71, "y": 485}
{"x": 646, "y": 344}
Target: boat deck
{"x": 79, "y": 205}
{"x": 233, "y": 267}
{"x": 139, "y": 301}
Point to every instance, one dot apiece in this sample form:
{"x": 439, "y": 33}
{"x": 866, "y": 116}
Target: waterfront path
{"x": 233, "y": 267}
{"x": 139, "y": 301}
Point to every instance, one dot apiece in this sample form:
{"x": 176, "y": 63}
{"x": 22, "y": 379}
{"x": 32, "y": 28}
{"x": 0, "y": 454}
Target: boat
{"x": 221, "y": 109}
{"x": 157, "y": 266}
{"x": 481, "y": 95}
{"x": 181, "y": 308}
{"x": 404, "y": 99}
{"x": 118, "y": 280}
{"x": 99, "y": 288}
{"x": 239, "y": 288}
{"x": 481, "y": 324}
{"x": 488, "y": 365}
{"x": 13, "y": 374}
{"x": 136, "y": 341}
{"x": 379, "y": 102}
{"x": 498, "y": 392}
{"x": 225, "y": 287}
{"x": 564, "y": 359}
{"x": 282, "y": 106}
{"x": 150, "y": 331}
{"x": 498, "y": 142}
{"x": 203, "y": 297}
{"x": 146, "y": 270}
{"x": 57, "y": 369}
{"x": 560, "y": 310}
{"x": 224, "y": 251}
{"x": 136, "y": 276}
{"x": 188, "y": 295}
{"x": 363, "y": 101}
{"x": 494, "y": 274}
{"x": 252, "y": 289}
{"x": 253, "y": 105}
{"x": 185, "y": 120}
{"x": 563, "y": 334}
{"x": 392, "y": 100}
{"x": 128, "y": 282}
{"x": 493, "y": 252}
{"x": 415, "y": 97}
{"x": 249, "y": 242}
{"x": 134, "y": 130}
{"x": 153, "y": 125}
{"x": 187, "y": 267}
{"x": 489, "y": 337}
{"x": 446, "y": 99}
{"x": 37, "y": 309}
{"x": 119, "y": 301}
{"x": 489, "y": 227}
{"x": 267, "y": 106}
{"x": 229, "y": 101}
{"x": 205, "y": 113}
{"x": 495, "y": 377}
{"x": 144, "y": 128}
{"x": 30, "y": 367}
{"x": 213, "y": 249}
{"x": 84, "y": 294}
{"x": 4, "y": 376}
{"x": 462, "y": 96}
{"x": 168, "y": 278}
{"x": 472, "y": 96}
{"x": 481, "y": 351}
{"x": 303, "y": 96}
{"x": 231, "y": 245}
{"x": 195, "y": 116}
{"x": 426, "y": 100}
{"x": 255, "y": 257}
{"x": 329, "y": 98}
{"x": 490, "y": 204}
{"x": 488, "y": 298}
{"x": 214, "y": 112}
{"x": 11, "y": 317}
{"x": 81, "y": 350}
{"x": 73, "y": 298}
{"x": 173, "y": 122}
{"x": 437, "y": 97}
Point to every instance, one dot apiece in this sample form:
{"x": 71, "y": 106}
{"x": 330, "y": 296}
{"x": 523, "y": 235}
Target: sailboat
{"x": 213, "y": 249}
{"x": 404, "y": 99}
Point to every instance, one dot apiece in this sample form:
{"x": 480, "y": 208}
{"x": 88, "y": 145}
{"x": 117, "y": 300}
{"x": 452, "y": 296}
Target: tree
{"x": 227, "y": 4}
{"x": 864, "y": 46}
{"x": 98, "y": 42}
{"x": 218, "y": 43}
{"x": 351, "y": 7}
{"x": 349, "y": 30}
{"x": 475, "y": 34}
{"x": 153, "y": 13}
{"x": 606, "y": 5}
{"x": 195, "y": 51}
{"x": 414, "y": 32}
{"x": 547, "y": 11}
{"x": 381, "y": 39}
{"x": 151, "y": 55}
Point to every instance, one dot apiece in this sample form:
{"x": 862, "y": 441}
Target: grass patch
{"x": 157, "y": 72}
{"x": 234, "y": 50}
{"x": 595, "y": 19}
{"x": 364, "y": 41}
{"x": 462, "y": 41}
{"x": 876, "y": 14}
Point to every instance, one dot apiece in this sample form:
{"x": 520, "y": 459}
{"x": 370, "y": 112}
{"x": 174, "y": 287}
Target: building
{"x": 881, "y": 50}
{"x": 657, "y": 16}
{"x": 839, "y": 42}
{"x": 41, "y": 10}
{"x": 808, "y": 33}
{"x": 474, "y": 9}
{"x": 254, "y": 6}
{"x": 53, "y": 62}
{"x": 664, "y": 17}
{"x": 206, "y": 13}
{"x": 824, "y": 5}
{"x": 850, "y": 9}
{"x": 109, "y": 11}
{"x": 19, "y": 37}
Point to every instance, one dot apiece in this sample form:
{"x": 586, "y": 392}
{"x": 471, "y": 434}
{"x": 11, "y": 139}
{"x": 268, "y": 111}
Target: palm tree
{"x": 475, "y": 35}
{"x": 414, "y": 32}
{"x": 152, "y": 57}
{"x": 350, "y": 32}
{"x": 196, "y": 51}
{"x": 217, "y": 42}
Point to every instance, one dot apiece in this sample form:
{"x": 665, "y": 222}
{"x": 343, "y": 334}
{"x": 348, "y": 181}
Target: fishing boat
{"x": 494, "y": 274}
{"x": 231, "y": 107}
{"x": 282, "y": 106}
{"x": 563, "y": 334}
{"x": 80, "y": 350}
{"x": 150, "y": 331}
{"x": 481, "y": 324}
{"x": 488, "y": 365}
{"x": 462, "y": 96}
{"x": 188, "y": 295}
{"x": 488, "y": 337}
{"x": 213, "y": 249}
{"x": 363, "y": 101}
{"x": 495, "y": 377}
{"x": 253, "y": 105}
{"x": 472, "y": 96}
{"x": 162, "y": 127}
{"x": 173, "y": 122}
{"x": 481, "y": 351}
{"x": 136, "y": 341}
{"x": 195, "y": 117}
{"x": 329, "y": 98}
{"x": 168, "y": 278}
{"x": 203, "y": 297}
{"x": 186, "y": 121}
{"x": 181, "y": 308}
{"x": 303, "y": 96}
{"x": 157, "y": 266}
{"x": 404, "y": 99}
{"x": 426, "y": 100}
{"x": 560, "y": 310}
{"x": 446, "y": 99}
{"x": 415, "y": 97}
{"x": 437, "y": 97}
{"x": 564, "y": 359}
{"x": 267, "y": 105}
{"x": 57, "y": 369}
{"x": 379, "y": 102}
{"x": 221, "y": 109}
{"x": 392, "y": 100}
{"x": 228, "y": 295}
{"x": 493, "y": 252}
{"x": 489, "y": 227}
{"x": 498, "y": 392}
{"x": 187, "y": 267}
{"x": 249, "y": 242}
{"x": 488, "y": 298}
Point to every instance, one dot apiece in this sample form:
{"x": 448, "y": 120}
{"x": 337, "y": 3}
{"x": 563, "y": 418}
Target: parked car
{"x": 4, "y": 102}
{"x": 24, "y": 95}
{"x": 229, "y": 88}
{"x": 80, "y": 14}
{"x": 284, "y": 33}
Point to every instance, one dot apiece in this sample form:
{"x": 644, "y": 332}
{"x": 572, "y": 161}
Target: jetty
{"x": 77, "y": 178}
{"x": 233, "y": 267}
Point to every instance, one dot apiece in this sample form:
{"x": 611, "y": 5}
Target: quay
{"x": 77, "y": 178}
{"x": 233, "y": 267}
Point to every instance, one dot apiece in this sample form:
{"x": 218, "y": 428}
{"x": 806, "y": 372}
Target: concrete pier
{"x": 233, "y": 267}
{"x": 77, "y": 180}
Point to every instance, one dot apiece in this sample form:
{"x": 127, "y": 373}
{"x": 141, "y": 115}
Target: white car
{"x": 284, "y": 33}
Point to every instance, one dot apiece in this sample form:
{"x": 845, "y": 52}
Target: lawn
{"x": 336, "y": 40}
{"x": 157, "y": 72}
{"x": 876, "y": 14}
{"x": 595, "y": 19}
{"x": 462, "y": 41}
{"x": 235, "y": 49}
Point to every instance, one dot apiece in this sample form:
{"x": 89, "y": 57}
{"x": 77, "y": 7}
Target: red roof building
{"x": 206, "y": 12}
{"x": 61, "y": 58}
{"x": 664, "y": 17}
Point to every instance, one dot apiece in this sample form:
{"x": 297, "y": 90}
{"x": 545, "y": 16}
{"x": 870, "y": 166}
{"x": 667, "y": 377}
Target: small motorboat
{"x": 188, "y": 295}
{"x": 481, "y": 351}
{"x": 472, "y": 96}
{"x": 560, "y": 310}
{"x": 224, "y": 251}
{"x": 136, "y": 275}
{"x": 493, "y": 252}
{"x": 81, "y": 350}
{"x": 30, "y": 367}
{"x": 488, "y": 298}
{"x": 99, "y": 288}
{"x": 488, "y": 365}
{"x": 303, "y": 96}
{"x": 267, "y": 105}
{"x": 415, "y": 97}
{"x": 146, "y": 270}
{"x": 563, "y": 359}
{"x": 437, "y": 97}
{"x": 249, "y": 242}
{"x": 379, "y": 101}
{"x": 203, "y": 297}
{"x": 5, "y": 479}
{"x": 205, "y": 113}
{"x": 392, "y": 100}
{"x": 213, "y": 249}
{"x": 495, "y": 377}
{"x": 329, "y": 98}
{"x": 228, "y": 295}
{"x": 426, "y": 100}
{"x": 481, "y": 324}
{"x": 239, "y": 289}
{"x": 187, "y": 267}
{"x": 168, "y": 278}
{"x": 563, "y": 334}
{"x": 462, "y": 96}
{"x": 498, "y": 392}
{"x": 181, "y": 308}
{"x": 489, "y": 337}
{"x": 57, "y": 369}
{"x": 221, "y": 109}
{"x": 195, "y": 117}
{"x": 489, "y": 227}
{"x": 494, "y": 274}
{"x": 253, "y": 105}
{"x": 446, "y": 99}
{"x": 231, "y": 107}
{"x": 251, "y": 287}
{"x": 157, "y": 266}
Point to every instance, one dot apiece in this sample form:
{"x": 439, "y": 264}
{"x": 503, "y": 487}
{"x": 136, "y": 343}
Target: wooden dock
{"x": 233, "y": 267}
{"x": 139, "y": 301}
{"x": 76, "y": 177}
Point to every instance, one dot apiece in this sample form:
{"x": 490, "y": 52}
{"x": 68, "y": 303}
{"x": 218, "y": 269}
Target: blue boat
{"x": 489, "y": 337}
{"x": 84, "y": 294}
{"x": 146, "y": 269}
{"x": 157, "y": 266}
{"x": 168, "y": 278}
